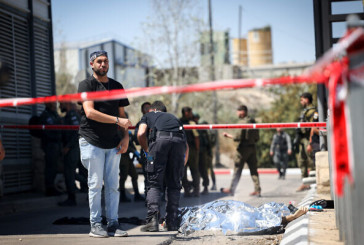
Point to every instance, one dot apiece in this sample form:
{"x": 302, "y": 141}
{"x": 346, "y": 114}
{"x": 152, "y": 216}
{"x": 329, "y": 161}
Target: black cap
{"x": 96, "y": 54}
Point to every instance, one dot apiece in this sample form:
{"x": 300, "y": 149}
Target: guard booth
{"x": 26, "y": 45}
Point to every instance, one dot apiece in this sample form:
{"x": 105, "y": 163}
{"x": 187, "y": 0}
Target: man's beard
{"x": 100, "y": 73}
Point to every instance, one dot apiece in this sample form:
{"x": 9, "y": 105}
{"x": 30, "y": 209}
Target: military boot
{"x": 152, "y": 224}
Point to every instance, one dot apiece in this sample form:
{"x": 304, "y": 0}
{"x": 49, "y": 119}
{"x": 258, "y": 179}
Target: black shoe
{"x": 205, "y": 191}
{"x": 188, "y": 192}
{"x": 213, "y": 188}
{"x": 67, "y": 203}
{"x": 138, "y": 198}
{"x": 152, "y": 225}
{"x": 196, "y": 192}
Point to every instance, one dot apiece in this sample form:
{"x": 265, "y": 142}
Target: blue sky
{"x": 291, "y": 21}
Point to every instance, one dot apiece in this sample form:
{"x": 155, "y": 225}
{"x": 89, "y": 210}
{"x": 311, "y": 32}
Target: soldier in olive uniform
{"x": 70, "y": 150}
{"x": 307, "y": 140}
{"x": 194, "y": 148}
{"x": 246, "y": 152}
{"x": 203, "y": 157}
{"x": 51, "y": 145}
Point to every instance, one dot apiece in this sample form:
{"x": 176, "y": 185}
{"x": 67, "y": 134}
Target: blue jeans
{"x": 103, "y": 168}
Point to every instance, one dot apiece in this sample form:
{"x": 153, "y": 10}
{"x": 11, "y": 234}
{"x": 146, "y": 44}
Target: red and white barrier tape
{"x": 130, "y": 93}
{"x": 187, "y": 127}
{"x": 339, "y": 126}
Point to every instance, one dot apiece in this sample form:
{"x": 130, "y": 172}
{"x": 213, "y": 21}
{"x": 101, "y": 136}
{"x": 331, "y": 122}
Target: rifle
{"x": 297, "y": 140}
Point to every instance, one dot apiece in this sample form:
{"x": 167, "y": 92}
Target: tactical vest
{"x": 248, "y": 137}
{"x": 307, "y": 116}
{"x": 281, "y": 142}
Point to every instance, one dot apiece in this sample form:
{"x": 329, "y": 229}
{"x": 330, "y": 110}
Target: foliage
{"x": 63, "y": 78}
{"x": 64, "y": 85}
{"x": 172, "y": 37}
{"x": 286, "y": 108}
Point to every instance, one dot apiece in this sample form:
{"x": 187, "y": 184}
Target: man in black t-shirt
{"x": 101, "y": 146}
{"x": 166, "y": 151}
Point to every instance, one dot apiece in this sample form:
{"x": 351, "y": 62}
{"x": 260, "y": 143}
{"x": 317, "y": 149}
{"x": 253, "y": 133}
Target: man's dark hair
{"x": 159, "y": 106}
{"x": 308, "y": 96}
{"x": 242, "y": 108}
{"x": 186, "y": 109}
{"x": 144, "y": 104}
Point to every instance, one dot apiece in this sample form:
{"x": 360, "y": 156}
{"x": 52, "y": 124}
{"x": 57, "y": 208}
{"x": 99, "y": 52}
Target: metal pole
{"x": 212, "y": 77}
{"x": 321, "y": 47}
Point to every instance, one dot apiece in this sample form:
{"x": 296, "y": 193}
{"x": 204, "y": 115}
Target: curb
{"x": 290, "y": 171}
{"x": 297, "y": 231}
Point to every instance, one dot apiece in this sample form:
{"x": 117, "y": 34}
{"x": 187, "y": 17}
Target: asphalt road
{"x": 36, "y": 226}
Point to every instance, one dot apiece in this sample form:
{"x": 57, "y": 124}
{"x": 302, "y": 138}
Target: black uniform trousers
{"x": 52, "y": 152}
{"x": 165, "y": 165}
{"x": 71, "y": 159}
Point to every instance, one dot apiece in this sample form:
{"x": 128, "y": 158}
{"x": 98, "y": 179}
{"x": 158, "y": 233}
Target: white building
{"x": 127, "y": 65}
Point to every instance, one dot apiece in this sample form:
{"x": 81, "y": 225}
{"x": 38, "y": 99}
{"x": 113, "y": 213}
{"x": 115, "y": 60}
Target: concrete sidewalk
{"x": 314, "y": 227}
{"x": 20, "y": 202}
{"x": 16, "y": 210}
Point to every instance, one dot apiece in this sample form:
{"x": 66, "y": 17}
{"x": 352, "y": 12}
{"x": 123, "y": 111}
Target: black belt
{"x": 170, "y": 134}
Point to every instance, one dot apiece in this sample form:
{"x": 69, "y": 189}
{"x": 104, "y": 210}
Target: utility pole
{"x": 213, "y": 78}
{"x": 239, "y": 31}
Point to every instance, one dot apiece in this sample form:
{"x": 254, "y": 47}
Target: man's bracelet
{"x": 117, "y": 120}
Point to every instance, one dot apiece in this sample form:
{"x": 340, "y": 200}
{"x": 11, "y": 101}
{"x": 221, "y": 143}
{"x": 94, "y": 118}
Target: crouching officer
{"x": 166, "y": 157}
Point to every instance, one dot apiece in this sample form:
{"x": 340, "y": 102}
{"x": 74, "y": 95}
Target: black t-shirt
{"x": 163, "y": 121}
{"x": 103, "y": 135}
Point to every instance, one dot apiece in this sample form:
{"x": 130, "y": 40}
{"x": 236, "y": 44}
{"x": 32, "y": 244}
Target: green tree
{"x": 286, "y": 108}
{"x": 63, "y": 78}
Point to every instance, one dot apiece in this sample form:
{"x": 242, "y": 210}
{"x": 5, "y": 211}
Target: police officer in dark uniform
{"x": 166, "y": 155}
{"x": 51, "y": 145}
{"x": 280, "y": 148}
{"x": 71, "y": 151}
{"x": 307, "y": 140}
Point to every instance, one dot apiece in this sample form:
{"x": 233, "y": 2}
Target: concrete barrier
{"x": 322, "y": 172}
